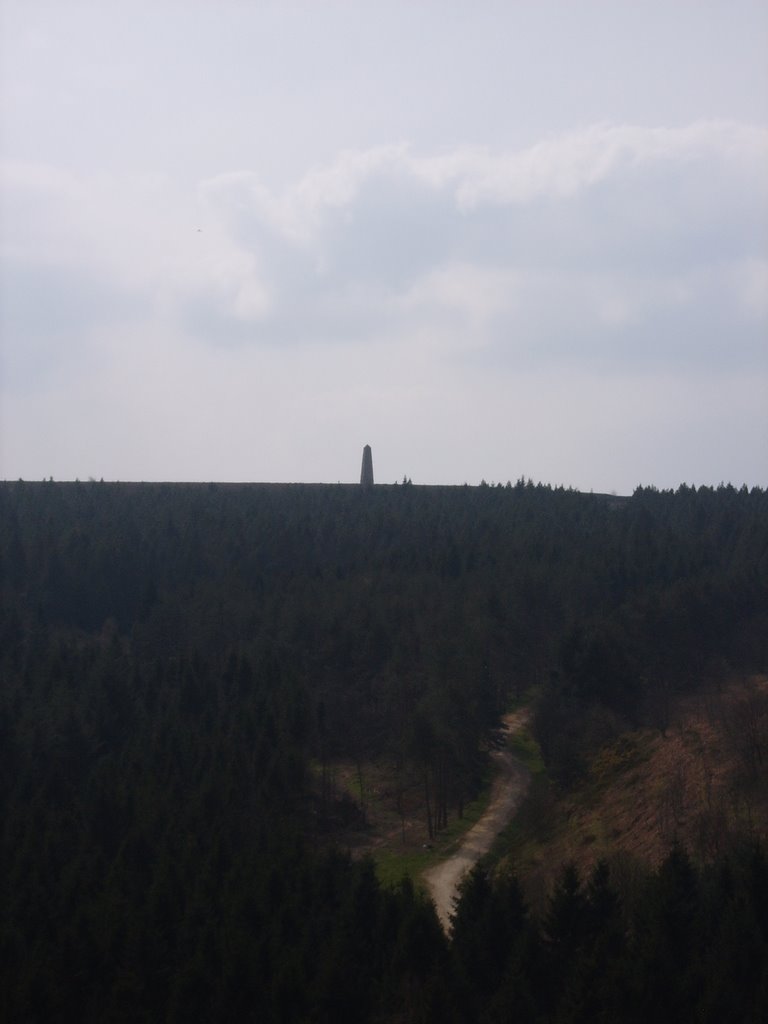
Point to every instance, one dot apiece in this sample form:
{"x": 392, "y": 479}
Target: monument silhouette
{"x": 366, "y": 473}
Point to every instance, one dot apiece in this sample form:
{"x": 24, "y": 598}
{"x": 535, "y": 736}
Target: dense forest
{"x": 181, "y": 663}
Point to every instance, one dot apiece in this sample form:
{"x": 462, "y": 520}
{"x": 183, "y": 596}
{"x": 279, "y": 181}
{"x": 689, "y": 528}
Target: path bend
{"x": 509, "y": 788}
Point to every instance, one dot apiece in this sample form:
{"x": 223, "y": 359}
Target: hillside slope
{"x": 702, "y": 785}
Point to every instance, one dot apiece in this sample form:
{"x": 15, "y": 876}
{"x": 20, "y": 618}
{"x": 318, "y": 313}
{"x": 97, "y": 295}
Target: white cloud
{"x": 564, "y": 166}
{"x": 592, "y": 234}
{"x": 556, "y": 168}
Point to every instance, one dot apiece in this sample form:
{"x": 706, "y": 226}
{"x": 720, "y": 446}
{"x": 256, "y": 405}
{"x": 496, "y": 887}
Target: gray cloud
{"x": 620, "y": 246}
{"x": 48, "y": 316}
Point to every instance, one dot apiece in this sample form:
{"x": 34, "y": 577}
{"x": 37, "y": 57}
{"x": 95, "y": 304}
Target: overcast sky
{"x": 241, "y": 240}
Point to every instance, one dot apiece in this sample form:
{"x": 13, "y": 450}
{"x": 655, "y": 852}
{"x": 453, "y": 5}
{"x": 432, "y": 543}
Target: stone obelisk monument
{"x": 366, "y": 473}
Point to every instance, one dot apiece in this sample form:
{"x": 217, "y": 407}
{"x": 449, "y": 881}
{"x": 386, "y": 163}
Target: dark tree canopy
{"x": 175, "y": 658}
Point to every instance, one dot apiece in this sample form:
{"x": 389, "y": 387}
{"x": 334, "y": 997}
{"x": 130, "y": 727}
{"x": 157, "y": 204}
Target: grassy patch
{"x": 393, "y": 860}
{"x": 525, "y": 699}
{"x": 537, "y": 822}
{"x": 526, "y": 749}
{"x": 392, "y": 865}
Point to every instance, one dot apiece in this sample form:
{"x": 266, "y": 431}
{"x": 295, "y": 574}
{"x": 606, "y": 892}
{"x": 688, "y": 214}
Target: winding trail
{"x": 509, "y": 788}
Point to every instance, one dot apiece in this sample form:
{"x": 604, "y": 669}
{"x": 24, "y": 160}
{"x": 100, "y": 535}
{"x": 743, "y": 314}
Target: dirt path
{"x": 509, "y": 788}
